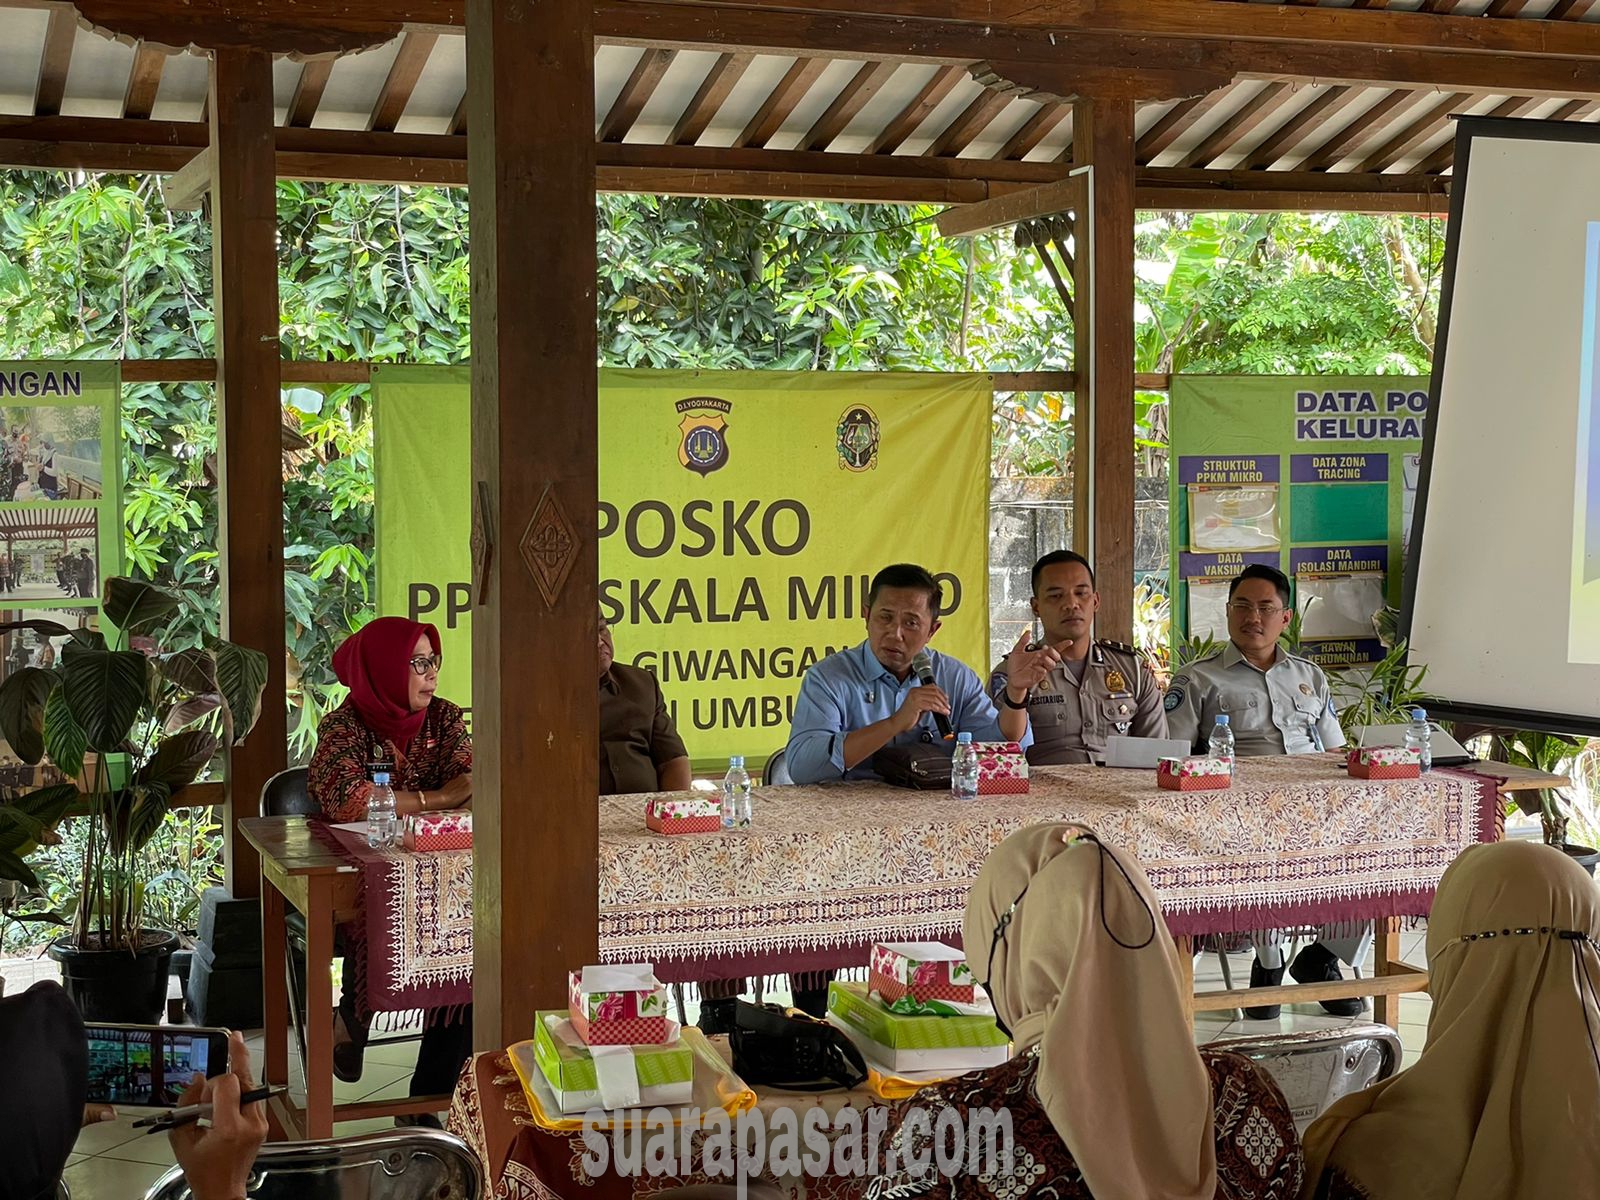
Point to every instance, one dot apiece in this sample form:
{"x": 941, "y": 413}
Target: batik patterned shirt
{"x": 348, "y": 752}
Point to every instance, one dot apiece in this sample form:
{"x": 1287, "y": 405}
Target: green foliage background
{"x": 95, "y": 266}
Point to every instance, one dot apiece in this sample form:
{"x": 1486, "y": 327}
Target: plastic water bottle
{"x": 1419, "y": 737}
{"x": 964, "y": 769}
{"x": 736, "y": 794}
{"x": 1221, "y": 743}
{"x": 382, "y": 823}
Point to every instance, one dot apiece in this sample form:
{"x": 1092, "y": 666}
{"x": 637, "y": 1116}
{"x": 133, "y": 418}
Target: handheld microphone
{"x": 923, "y": 666}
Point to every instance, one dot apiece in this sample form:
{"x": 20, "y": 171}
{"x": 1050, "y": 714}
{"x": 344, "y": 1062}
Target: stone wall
{"x": 1029, "y": 517}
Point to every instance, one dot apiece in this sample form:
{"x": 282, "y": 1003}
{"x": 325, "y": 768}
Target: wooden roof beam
{"x": 1258, "y": 109}
{"x": 968, "y": 220}
{"x": 185, "y": 190}
{"x": 1342, "y": 144}
{"x": 409, "y": 60}
{"x": 1418, "y": 133}
{"x": 866, "y": 83}
{"x": 1563, "y": 10}
{"x": 708, "y": 100}
{"x": 908, "y": 119}
{"x": 308, "y": 91}
{"x": 1328, "y": 103}
{"x": 60, "y": 33}
{"x": 1513, "y": 107}
{"x": 635, "y": 94}
{"x": 780, "y": 105}
{"x": 1174, "y": 123}
{"x": 968, "y": 124}
{"x": 144, "y": 81}
{"x": 1035, "y": 129}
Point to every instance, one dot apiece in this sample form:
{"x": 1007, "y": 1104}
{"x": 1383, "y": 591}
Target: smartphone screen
{"x": 149, "y": 1066}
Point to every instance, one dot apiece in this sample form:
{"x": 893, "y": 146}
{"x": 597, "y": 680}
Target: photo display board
{"x": 1315, "y": 476}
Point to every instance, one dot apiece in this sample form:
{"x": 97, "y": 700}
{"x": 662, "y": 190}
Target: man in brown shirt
{"x": 640, "y": 750}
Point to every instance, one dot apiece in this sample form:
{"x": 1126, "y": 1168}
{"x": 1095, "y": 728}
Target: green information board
{"x": 1315, "y": 476}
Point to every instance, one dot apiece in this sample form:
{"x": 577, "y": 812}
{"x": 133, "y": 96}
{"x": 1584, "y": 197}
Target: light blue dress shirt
{"x": 852, "y": 689}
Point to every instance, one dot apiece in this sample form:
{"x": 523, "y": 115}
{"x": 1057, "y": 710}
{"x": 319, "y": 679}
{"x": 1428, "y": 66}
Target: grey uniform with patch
{"x": 1071, "y": 720}
{"x": 1286, "y": 709}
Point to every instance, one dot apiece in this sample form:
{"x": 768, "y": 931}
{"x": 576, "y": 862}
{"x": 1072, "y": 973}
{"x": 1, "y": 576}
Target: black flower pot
{"x": 115, "y": 985}
{"x": 1585, "y": 856}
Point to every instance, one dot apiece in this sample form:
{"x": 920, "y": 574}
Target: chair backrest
{"x": 777, "y": 769}
{"x": 416, "y": 1164}
{"x": 286, "y": 795}
{"x": 1315, "y": 1069}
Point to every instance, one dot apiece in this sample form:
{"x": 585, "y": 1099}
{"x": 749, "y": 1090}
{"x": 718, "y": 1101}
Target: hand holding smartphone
{"x": 150, "y": 1066}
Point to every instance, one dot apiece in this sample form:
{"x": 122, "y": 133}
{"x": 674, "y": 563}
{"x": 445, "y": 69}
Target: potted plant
{"x": 134, "y": 729}
{"x": 1548, "y": 752}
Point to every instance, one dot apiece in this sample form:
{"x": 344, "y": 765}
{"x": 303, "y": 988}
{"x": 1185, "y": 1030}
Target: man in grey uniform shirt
{"x": 1072, "y": 689}
{"x": 1277, "y": 703}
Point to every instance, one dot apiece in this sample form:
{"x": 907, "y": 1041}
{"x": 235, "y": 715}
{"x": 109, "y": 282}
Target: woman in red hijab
{"x": 393, "y": 722}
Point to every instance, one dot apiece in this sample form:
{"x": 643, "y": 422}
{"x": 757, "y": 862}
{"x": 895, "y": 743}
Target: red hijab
{"x": 375, "y": 664}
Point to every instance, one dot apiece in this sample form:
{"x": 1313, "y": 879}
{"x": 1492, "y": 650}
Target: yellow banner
{"x": 742, "y": 517}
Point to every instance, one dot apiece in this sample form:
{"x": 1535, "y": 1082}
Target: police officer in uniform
{"x": 1072, "y": 689}
{"x": 1277, "y": 703}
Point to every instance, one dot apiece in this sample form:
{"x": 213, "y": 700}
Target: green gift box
{"x": 968, "y": 1042}
{"x": 665, "y": 1073}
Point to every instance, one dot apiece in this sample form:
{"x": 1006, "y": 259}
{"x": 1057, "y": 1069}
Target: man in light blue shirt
{"x": 854, "y": 703}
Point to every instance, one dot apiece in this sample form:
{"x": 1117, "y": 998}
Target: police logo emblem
{"x": 1115, "y": 682}
{"x": 1174, "y": 698}
{"x": 858, "y": 439}
{"x": 704, "y": 447}
{"x": 1307, "y": 689}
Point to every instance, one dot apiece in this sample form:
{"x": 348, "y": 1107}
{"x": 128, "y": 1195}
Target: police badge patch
{"x": 1174, "y": 698}
{"x": 858, "y": 439}
{"x": 1115, "y": 682}
{"x": 704, "y": 448}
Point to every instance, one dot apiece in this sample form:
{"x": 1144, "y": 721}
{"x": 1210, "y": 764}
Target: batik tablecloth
{"x": 412, "y": 946}
{"x": 826, "y": 871}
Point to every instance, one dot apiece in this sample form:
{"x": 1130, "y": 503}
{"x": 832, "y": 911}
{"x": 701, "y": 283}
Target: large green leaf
{"x": 23, "y": 696}
{"x": 178, "y": 759}
{"x": 180, "y": 716}
{"x": 105, "y": 690}
{"x": 134, "y": 816}
{"x": 49, "y": 804}
{"x": 132, "y": 605}
{"x": 48, "y": 628}
{"x": 64, "y": 739}
{"x": 12, "y": 867}
{"x": 193, "y": 671}
{"x": 241, "y": 677}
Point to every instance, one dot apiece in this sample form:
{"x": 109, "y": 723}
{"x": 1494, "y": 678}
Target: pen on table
{"x": 196, "y": 1112}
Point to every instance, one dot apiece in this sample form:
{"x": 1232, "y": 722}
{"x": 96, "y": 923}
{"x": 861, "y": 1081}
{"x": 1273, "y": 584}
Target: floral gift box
{"x": 922, "y": 970}
{"x": 1194, "y": 774}
{"x": 1002, "y": 769}
{"x": 622, "y": 1005}
{"x": 684, "y": 812}
{"x": 438, "y": 831}
{"x": 1384, "y": 762}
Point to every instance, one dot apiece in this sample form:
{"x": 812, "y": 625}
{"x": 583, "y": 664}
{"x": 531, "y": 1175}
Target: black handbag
{"x": 915, "y": 765}
{"x": 785, "y": 1048}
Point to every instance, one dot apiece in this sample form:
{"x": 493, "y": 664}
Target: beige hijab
{"x": 1504, "y": 1101}
{"x": 1119, "y": 1076}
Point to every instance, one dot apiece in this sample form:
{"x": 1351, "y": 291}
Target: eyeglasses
{"x": 1266, "y": 612}
{"x": 423, "y": 663}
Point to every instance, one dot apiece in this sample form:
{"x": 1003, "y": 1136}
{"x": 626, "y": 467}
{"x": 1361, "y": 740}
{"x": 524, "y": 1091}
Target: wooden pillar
{"x": 244, "y": 231}
{"x": 1103, "y": 140}
{"x": 530, "y": 167}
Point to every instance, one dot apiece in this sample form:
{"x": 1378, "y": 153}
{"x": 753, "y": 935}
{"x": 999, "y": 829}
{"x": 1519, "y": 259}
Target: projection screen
{"x": 1502, "y": 594}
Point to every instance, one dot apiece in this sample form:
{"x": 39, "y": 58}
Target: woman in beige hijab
{"x": 1504, "y": 1103}
{"x": 1109, "y": 1099}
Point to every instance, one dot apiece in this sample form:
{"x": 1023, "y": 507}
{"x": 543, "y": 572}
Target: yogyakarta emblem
{"x": 858, "y": 439}
{"x": 704, "y": 448}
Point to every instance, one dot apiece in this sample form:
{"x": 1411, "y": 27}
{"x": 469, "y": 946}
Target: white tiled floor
{"x": 113, "y": 1161}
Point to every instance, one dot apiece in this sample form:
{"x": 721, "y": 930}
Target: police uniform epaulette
{"x": 1108, "y": 644}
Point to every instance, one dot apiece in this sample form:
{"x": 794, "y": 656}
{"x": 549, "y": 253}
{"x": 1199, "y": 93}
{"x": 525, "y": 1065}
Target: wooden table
{"x": 300, "y": 869}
